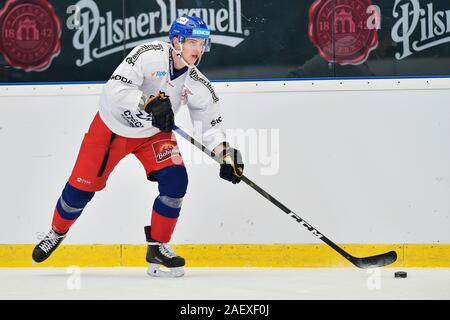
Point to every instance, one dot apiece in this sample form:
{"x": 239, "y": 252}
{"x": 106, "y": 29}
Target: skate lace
{"x": 166, "y": 250}
{"x": 48, "y": 240}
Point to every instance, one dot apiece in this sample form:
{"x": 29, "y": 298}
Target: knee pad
{"x": 172, "y": 185}
{"x": 172, "y": 181}
{"x": 72, "y": 202}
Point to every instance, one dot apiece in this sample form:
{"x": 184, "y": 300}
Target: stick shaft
{"x": 366, "y": 262}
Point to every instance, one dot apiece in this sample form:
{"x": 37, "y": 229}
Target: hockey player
{"x": 136, "y": 115}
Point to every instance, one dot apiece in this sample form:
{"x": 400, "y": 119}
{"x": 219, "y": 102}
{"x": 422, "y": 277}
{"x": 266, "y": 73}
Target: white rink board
{"x": 361, "y": 166}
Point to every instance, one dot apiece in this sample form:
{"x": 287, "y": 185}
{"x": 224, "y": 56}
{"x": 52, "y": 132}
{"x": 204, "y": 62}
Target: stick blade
{"x": 377, "y": 261}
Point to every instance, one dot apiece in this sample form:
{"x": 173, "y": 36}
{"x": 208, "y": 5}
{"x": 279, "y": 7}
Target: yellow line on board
{"x": 228, "y": 255}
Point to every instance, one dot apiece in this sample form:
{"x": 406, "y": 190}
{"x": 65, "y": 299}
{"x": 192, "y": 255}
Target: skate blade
{"x": 155, "y": 270}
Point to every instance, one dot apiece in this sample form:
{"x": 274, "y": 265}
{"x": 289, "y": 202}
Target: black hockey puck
{"x": 400, "y": 274}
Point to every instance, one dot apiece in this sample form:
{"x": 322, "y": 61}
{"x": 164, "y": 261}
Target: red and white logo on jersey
{"x": 165, "y": 149}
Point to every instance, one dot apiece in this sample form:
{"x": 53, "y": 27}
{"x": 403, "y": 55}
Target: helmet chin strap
{"x": 179, "y": 54}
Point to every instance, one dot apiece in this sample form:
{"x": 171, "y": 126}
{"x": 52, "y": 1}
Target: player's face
{"x": 193, "y": 49}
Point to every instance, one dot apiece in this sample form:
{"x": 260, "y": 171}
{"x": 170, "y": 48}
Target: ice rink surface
{"x": 225, "y": 283}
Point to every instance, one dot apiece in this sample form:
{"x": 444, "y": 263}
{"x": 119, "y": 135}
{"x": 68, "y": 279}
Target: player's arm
{"x": 209, "y": 120}
{"x": 123, "y": 89}
{"x": 124, "y": 86}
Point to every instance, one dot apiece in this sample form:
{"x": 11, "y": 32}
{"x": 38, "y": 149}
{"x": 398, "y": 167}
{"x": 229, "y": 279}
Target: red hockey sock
{"x": 162, "y": 227}
{"x": 60, "y": 224}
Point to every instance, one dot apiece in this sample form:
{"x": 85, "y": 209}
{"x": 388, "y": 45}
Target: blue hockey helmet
{"x": 190, "y": 27}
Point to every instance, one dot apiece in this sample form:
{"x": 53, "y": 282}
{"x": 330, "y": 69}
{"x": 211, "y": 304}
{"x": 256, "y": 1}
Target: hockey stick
{"x": 363, "y": 262}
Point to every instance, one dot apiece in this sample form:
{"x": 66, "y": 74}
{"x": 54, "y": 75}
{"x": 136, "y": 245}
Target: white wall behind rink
{"x": 362, "y": 166}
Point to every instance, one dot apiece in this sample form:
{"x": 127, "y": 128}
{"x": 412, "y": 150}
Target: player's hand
{"x": 160, "y": 108}
{"x": 232, "y": 167}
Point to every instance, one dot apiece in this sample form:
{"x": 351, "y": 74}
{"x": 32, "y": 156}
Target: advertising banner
{"x": 78, "y": 41}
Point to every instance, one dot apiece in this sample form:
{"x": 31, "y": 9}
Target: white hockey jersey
{"x": 149, "y": 69}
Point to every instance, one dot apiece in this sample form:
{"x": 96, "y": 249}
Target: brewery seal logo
{"x": 340, "y": 30}
{"x": 30, "y": 34}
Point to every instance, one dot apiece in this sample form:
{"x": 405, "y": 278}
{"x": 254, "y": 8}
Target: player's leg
{"x": 172, "y": 185}
{"x": 68, "y": 208}
{"x": 99, "y": 153}
{"x": 164, "y": 164}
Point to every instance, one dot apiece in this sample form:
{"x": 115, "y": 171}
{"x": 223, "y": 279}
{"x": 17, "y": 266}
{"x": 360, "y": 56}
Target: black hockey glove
{"x": 160, "y": 108}
{"x": 232, "y": 167}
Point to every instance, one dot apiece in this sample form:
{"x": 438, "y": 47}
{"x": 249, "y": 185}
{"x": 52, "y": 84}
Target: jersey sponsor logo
{"x": 196, "y": 77}
{"x": 128, "y": 117}
{"x": 144, "y": 116}
{"x": 165, "y": 149}
{"x": 120, "y": 78}
{"x": 97, "y": 34}
{"x": 81, "y": 180}
{"x": 144, "y": 48}
{"x": 158, "y": 74}
{"x": 344, "y": 37}
{"x": 30, "y": 34}
{"x": 216, "y": 121}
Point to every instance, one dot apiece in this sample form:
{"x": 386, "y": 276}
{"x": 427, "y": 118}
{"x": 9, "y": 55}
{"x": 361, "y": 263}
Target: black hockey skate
{"x": 160, "y": 254}
{"x": 49, "y": 242}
